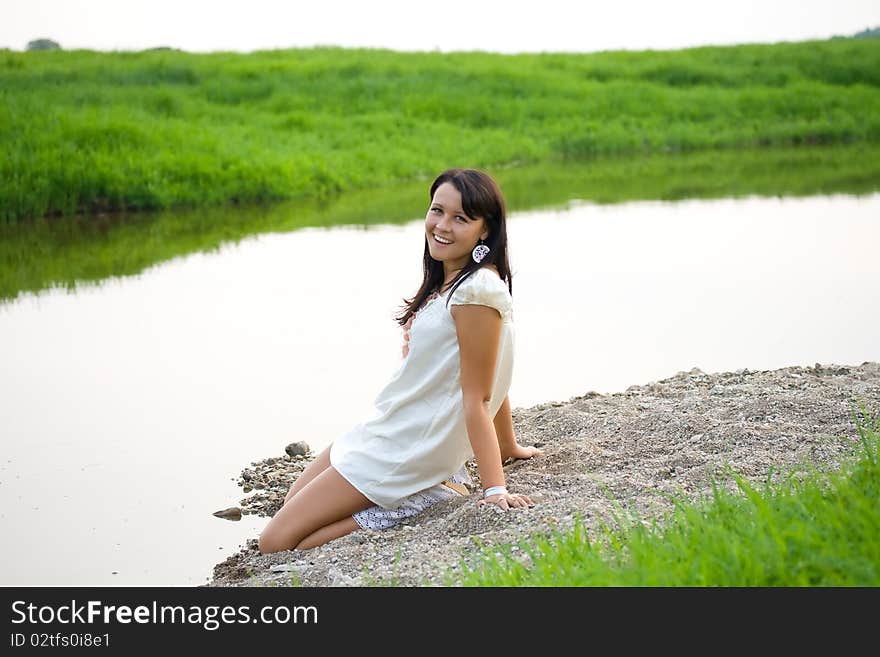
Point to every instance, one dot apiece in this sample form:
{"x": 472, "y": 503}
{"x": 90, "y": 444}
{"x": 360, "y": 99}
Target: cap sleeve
{"x": 485, "y": 289}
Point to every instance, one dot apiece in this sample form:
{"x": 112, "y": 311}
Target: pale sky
{"x": 445, "y": 25}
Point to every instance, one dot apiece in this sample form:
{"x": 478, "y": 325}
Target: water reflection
{"x": 128, "y": 407}
{"x": 72, "y": 252}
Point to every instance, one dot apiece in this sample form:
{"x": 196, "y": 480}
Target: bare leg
{"x": 313, "y": 469}
{"x": 325, "y": 500}
{"x": 507, "y": 442}
{"x": 336, "y": 530}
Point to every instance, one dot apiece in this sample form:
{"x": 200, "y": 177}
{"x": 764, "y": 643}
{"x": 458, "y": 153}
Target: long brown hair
{"x": 480, "y": 197}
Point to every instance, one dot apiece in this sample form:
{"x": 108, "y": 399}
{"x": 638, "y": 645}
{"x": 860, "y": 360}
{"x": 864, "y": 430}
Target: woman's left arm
{"x": 478, "y": 329}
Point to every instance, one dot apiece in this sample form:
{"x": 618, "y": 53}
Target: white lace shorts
{"x": 375, "y": 517}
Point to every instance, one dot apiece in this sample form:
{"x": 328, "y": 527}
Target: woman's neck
{"x": 447, "y": 281}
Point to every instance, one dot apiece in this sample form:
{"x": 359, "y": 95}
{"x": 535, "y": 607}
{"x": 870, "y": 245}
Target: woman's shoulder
{"x": 493, "y": 269}
{"x": 486, "y": 277}
{"x": 487, "y": 272}
{"x": 491, "y": 277}
{"x": 484, "y": 287}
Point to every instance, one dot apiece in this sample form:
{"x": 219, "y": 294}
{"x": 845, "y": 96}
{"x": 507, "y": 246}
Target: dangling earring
{"x": 480, "y": 251}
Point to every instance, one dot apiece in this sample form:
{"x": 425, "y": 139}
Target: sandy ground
{"x": 635, "y": 447}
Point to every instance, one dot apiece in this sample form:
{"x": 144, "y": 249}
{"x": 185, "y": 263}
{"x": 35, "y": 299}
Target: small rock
{"x": 232, "y": 513}
{"x": 300, "y": 448}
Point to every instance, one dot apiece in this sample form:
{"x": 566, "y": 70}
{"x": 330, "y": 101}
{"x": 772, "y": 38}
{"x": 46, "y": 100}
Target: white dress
{"x": 417, "y": 437}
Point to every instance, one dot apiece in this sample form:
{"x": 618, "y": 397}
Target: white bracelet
{"x": 494, "y": 490}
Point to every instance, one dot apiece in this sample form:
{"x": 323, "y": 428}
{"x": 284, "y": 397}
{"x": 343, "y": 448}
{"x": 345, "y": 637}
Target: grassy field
{"x": 87, "y": 132}
{"x": 812, "y": 529}
{"x": 72, "y": 251}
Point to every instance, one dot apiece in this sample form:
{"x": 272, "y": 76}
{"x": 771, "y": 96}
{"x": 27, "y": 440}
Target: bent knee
{"x": 267, "y": 544}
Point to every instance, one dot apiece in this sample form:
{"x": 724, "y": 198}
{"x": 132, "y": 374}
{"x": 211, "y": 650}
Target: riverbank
{"x": 90, "y": 132}
{"x": 75, "y": 252}
{"x": 638, "y": 446}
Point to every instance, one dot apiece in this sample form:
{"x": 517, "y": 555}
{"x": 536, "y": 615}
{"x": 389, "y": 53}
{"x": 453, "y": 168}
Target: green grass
{"x": 70, "y": 252}
{"x": 87, "y": 132}
{"x": 812, "y": 528}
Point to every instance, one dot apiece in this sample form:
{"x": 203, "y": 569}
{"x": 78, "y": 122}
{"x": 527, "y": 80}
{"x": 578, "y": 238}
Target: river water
{"x": 130, "y": 407}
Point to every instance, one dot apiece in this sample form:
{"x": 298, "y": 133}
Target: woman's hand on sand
{"x": 507, "y": 501}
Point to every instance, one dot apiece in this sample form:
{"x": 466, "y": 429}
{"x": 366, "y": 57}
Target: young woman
{"x": 446, "y": 403}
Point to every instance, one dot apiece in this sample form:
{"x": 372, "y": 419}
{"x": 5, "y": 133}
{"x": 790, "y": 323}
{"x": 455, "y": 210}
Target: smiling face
{"x": 448, "y": 222}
